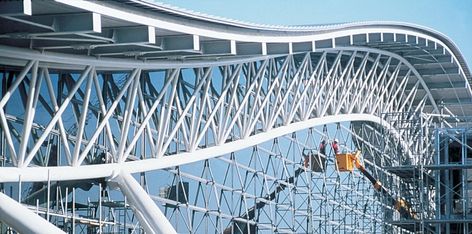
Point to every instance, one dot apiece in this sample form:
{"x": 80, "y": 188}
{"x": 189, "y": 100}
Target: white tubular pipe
{"x": 149, "y": 215}
{"x": 23, "y": 220}
{"x": 32, "y": 174}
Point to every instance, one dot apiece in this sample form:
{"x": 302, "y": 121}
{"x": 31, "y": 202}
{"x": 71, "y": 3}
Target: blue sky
{"x": 450, "y": 17}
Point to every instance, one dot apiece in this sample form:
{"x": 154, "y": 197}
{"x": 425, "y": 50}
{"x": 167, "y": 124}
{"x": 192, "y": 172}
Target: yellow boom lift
{"x": 347, "y": 161}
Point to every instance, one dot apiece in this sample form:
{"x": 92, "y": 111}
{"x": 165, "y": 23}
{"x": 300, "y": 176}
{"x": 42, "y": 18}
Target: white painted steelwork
{"x": 144, "y": 88}
{"x": 108, "y": 170}
{"x": 23, "y": 219}
{"x": 149, "y": 215}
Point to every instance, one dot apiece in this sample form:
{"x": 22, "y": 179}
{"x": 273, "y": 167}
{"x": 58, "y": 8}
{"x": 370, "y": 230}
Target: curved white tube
{"x": 22, "y": 219}
{"x": 149, "y": 215}
{"x": 11, "y": 174}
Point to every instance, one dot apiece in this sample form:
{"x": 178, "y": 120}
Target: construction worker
{"x": 321, "y": 151}
{"x": 335, "y": 146}
{"x": 307, "y": 158}
{"x": 322, "y": 148}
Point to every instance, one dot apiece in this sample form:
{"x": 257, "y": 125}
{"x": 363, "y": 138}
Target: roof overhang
{"x": 138, "y": 31}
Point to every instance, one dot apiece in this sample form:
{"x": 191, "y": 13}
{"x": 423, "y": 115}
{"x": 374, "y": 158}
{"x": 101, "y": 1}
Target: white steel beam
{"x": 103, "y": 110}
{"x": 54, "y": 120}
{"x": 22, "y": 219}
{"x": 62, "y": 173}
{"x": 166, "y": 111}
{"x": 60, "y": 123}
{"x": 149, "y": 215}
{"x": 3, "y": 102}
{"x": 129, "y": 111}
{"x": 29, "y": 115}
{"x": 107, "y": 116}
{"x": 83, "y": 118}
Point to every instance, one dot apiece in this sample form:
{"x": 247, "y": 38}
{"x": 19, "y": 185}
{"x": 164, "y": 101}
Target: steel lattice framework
{"x": 214, "y": 124}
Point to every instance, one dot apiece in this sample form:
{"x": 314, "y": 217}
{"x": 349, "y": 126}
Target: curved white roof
{"x": 149, "y": 33}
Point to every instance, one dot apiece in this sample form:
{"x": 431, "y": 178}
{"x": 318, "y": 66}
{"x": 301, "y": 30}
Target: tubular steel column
{"x": 149, "y": 215}
{"x": 23, "y": 220}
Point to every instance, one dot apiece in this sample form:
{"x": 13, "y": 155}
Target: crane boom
{"x": 346, "y": 162}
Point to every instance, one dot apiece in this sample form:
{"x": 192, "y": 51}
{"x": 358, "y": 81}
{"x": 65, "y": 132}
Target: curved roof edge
{"x": 261, "y": 28}
{"x": 141, "y": 30}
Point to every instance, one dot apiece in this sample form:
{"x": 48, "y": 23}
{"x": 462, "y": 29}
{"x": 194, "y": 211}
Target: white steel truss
{"x": 114, "y": 114}
{"x": 87, "y": 124}
{"x": 177, "y": 112}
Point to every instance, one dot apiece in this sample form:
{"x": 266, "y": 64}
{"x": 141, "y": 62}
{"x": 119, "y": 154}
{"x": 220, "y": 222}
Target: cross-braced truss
{"x": 229, "y": 140}
{"x": 143, "y": 114}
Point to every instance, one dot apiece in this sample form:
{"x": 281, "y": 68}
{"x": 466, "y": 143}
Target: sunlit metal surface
{"x": 213, "y": 118}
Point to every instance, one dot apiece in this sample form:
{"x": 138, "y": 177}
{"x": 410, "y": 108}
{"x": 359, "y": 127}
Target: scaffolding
{"x": 69, "y": 209}
{"x": 112, "y": 119}
{"x": 452, "y": 172}
{"x": 409, "y": 152}
{"x": 434, "y": 176}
